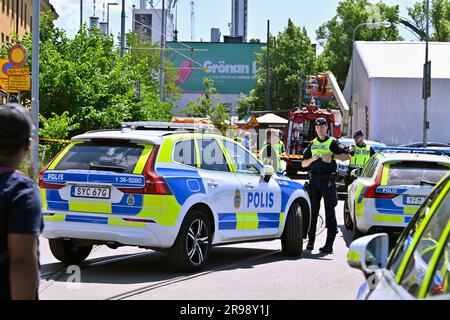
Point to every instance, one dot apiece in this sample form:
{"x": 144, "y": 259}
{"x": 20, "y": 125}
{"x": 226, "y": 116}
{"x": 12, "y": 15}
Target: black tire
{"x": 66, "y": 252}
{"x": 178, "y": 255}
{"x": 347, "y": 218}
{"x": 292, "y": 238}
{"x": 356, "y": 233}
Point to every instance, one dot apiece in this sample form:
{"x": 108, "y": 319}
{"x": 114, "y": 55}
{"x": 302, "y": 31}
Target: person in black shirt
{"x": 319, "y": 157}
{"x": 20, "y": 209}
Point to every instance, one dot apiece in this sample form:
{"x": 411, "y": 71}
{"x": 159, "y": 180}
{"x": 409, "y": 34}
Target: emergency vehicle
{"x": 392, "y": 186}
{"x": 419, "y": 266}
{"x": 300, "y": 129}
{"x": 168, "y": 188}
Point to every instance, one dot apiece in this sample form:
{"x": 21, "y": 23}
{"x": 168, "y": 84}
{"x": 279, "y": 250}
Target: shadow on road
{"x": 347, "y": 235}
{"x": 154, "y": 268}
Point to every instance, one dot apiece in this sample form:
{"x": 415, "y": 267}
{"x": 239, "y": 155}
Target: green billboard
{"x": 232, "y": 66}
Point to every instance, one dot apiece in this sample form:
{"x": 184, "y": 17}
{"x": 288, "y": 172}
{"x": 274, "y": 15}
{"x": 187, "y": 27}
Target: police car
{"x": 390, "y": 189}
{"x": 419, "y": 266}
{"x": 181, "y": 192}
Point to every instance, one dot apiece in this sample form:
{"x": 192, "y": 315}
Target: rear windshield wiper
{"x": 427, "y": 183}
{"x": 104, "y": 167}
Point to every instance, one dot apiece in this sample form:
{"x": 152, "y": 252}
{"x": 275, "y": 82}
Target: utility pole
{"x": 163, "y": 46}
{"x": 81, "y": 13}
{"x": 426, "y": 89}
{"x": 268, "y": 68}
{"x": 35, "y": 90}
{"x": 122, "y": 30}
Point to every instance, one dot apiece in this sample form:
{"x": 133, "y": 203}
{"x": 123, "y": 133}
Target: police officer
{"x": 319, "y": 156}
{"x": 20, "y": 209}
{"x": 360, "y": 154}
{"x": 269, "y": 153}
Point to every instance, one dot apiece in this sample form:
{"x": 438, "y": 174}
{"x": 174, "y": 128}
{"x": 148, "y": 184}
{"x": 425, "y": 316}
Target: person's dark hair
{"x": 15, "y": 128}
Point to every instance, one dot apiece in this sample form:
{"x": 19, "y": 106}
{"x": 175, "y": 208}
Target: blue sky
{"x": 217, "y": 13}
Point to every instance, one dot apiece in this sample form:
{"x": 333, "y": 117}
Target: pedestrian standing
{"x": 20, "y": 209}
{"x": 320, "y": 157}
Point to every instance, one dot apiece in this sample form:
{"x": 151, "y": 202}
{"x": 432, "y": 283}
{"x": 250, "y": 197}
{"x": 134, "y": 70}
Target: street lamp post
{"x": 384, "y": 24}
{"x": 122, "y": 30}
{"x": 426, "y": 79}
{"x": 107, "y": 14}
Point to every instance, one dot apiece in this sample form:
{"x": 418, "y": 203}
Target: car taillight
{"x": 43, "y": 185}
{"x": 154, "y": 183}
{"x": 371, "y": 191}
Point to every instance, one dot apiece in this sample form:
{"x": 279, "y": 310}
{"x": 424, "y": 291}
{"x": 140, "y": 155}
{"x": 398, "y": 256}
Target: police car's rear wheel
{"x": 193, "y": 244}
{"x": 347, "y": 219}
{"x": 65, "y": 251}
{"x": 292, "y": 238}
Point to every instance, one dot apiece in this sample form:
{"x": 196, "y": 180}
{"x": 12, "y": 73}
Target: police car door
{"x": 259, "y": 212}
{"x": 222, "y": 187}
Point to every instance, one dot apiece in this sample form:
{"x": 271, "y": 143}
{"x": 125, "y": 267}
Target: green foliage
{"x": 292, "y": 57}
{"x": 439, "y": 18}
{"x": 336, "y": 34}
{"x": 246, "y": 103}
{"x": 84, "y": 84}
{"x": 205, "y": 106}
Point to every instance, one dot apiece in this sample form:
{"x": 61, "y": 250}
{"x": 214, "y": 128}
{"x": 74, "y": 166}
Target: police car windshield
{"x": 104, "y": 156}
{"x": 415, "y": 173}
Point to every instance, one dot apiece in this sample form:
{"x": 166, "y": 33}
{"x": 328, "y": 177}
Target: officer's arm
{"x": 24, "y": 271}
{"x": 308, "y": 159}
{"x": 339, "y": 151}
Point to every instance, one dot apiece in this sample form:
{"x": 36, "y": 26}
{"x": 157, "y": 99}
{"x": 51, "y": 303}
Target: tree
{"x": 292, "y": 57}
{"x": 336, "y": 34}
{"x": 205, "y": 107}
{"x": 439, "y": 18}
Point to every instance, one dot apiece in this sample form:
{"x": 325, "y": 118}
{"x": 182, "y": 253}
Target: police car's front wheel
{"x": 191, "y": 249}
{"x": 292, "y": 238}
{"x": 65, "y": 251}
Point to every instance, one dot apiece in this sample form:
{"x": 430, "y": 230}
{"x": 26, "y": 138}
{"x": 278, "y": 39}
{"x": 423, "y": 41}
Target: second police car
{"x": 177, "y": 192}
{"x": 391, "y": 188}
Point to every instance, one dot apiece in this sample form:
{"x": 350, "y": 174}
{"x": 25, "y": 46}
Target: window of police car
{"x": 243, "y": 161}
{"x": 415, "y": 173}
{"x": 211, "y": 156}
{"x": 439, "y": 283}
{"x": 184, "y": 153}
{"x": 120, "y": 156}
{"x": 407, "y": 236}
{"x": 370, "y": 167}
{"x": 419, "y": 262}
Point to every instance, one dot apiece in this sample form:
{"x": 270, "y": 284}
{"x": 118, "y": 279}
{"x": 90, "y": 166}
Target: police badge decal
{"x": 237, "y": 199}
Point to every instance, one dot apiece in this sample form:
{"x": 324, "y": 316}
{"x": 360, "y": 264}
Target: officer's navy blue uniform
{"x": 20, "y": 213}
{"x": 322, "y": 184}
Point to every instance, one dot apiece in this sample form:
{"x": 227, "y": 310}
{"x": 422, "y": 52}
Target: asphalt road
{"x": 244, "y": 271}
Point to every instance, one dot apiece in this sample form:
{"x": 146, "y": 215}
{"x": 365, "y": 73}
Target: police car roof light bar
{"x": 414, "y": 150}
{"x": 154, "y": 125}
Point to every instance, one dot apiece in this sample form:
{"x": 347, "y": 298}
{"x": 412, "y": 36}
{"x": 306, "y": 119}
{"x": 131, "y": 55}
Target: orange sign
{"x": 19, "y": 83}
{"x": 18, "y": 71}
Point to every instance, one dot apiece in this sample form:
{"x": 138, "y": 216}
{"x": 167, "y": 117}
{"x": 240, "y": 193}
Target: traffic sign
{"x": 19, "y": 83}
{"x": 17, "y": 55}
{"x": 5, "y": 64}
{"x": 426, "y": 88}
{"x": 18, "y": 71}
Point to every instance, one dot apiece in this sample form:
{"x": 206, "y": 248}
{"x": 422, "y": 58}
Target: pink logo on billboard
{"x": 184, "y": 71}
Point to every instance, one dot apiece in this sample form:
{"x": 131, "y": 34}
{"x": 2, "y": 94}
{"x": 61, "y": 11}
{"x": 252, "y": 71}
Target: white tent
{"x": 271, "y": 118}
{"x": 387, "y": 91}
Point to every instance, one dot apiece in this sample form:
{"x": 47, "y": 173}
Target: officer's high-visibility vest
{"x": 277, "y": 154}
{"x": 321, "y": 148}
{"x": 280, "y": 147}
{"x": 360, "y": 157}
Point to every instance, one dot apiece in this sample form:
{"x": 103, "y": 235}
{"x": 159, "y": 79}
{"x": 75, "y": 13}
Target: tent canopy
{"x": 272, "y": 119}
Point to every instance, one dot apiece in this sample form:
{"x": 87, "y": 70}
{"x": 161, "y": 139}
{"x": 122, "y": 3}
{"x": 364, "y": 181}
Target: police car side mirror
{"x": 369, "y": 253}
{"x": 267, "y": 172}
{"x": 354, "y": 173}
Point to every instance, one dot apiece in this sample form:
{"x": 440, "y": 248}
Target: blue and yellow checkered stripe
{"x": 250, "y": 221}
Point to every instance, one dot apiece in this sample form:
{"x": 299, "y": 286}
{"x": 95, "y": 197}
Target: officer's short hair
{"x": 15, "y": 128}
{"x": 358, "y": 133}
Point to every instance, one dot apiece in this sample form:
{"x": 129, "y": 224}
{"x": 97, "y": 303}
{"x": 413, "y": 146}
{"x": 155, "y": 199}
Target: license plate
{"x": 413, "y": 200}
{"x": 91, "y": 192}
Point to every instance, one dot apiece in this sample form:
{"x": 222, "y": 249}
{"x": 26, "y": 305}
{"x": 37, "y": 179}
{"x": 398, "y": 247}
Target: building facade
{"x": 16, "y": 17}
{"x": 147, "y": 23}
